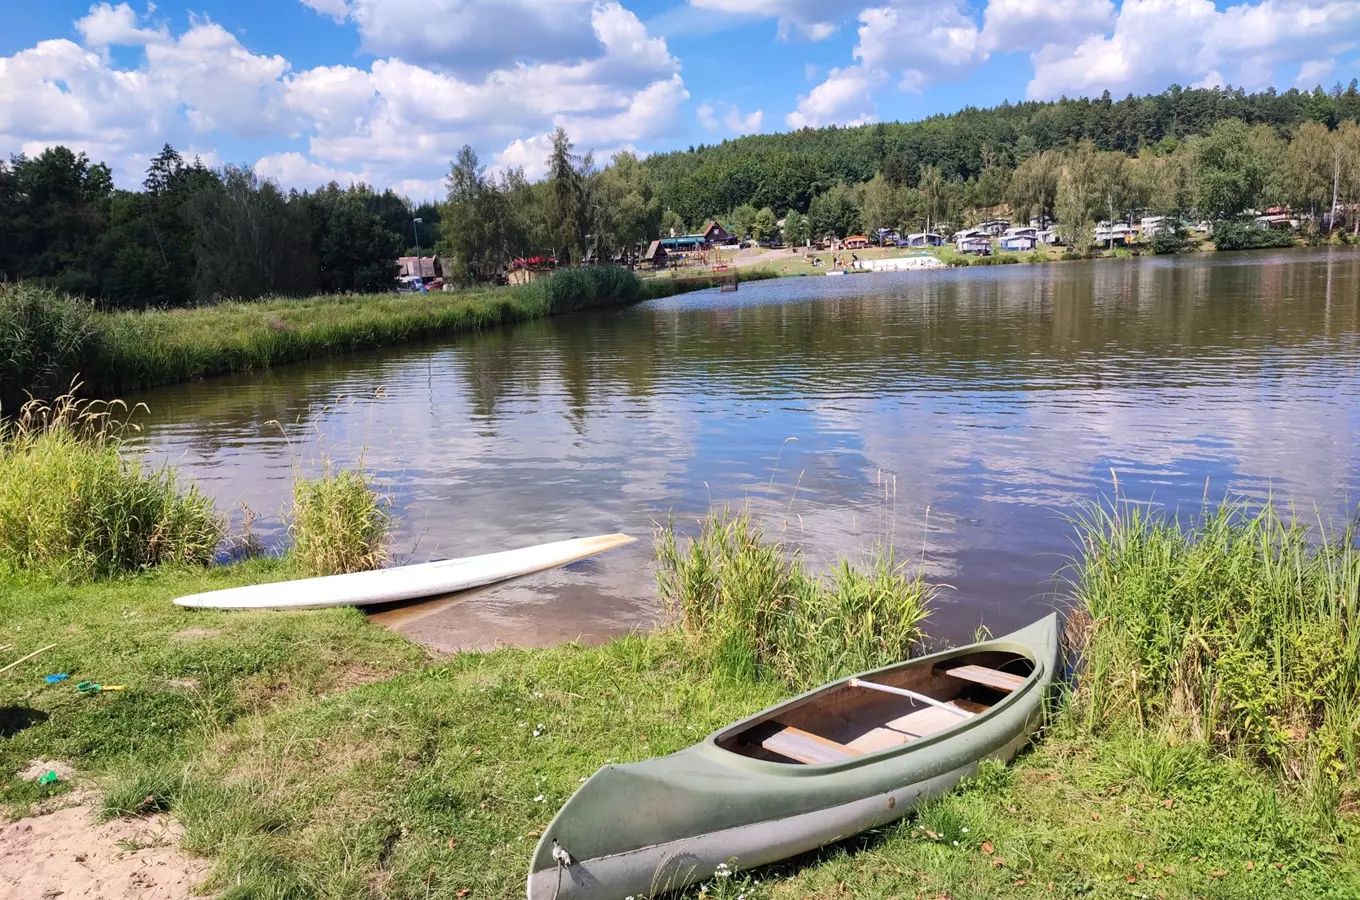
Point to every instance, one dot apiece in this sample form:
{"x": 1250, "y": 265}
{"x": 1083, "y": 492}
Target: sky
{"x": 387, "y": 91}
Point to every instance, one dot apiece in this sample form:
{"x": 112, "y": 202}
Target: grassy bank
{"x": 313, "y": 755}
{"x": 47, "y": 340}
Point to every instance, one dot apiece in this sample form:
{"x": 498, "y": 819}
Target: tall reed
{"x": 1241, "y": 630}
{"x": 44, "y": 337}
{"x": 752, "y": 604}
{"x": 71, "y": 503}
{"x": 339, "y": 523}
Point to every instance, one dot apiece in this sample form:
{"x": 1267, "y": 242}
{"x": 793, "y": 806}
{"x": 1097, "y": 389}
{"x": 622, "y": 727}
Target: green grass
{"x": 42, "y": 338}
{"x": 72, "y": 504}
{"x": 1241, "y": 631}
{"x": 48, "y": 340}
{"x": 339, "y": 523}
{"x": 315, "y": 755}
{"x": 753, "y": 607}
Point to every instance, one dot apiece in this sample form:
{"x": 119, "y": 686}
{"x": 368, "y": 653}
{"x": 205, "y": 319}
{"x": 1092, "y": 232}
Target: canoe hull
{"x": 406, "y": 582}
{"x": 763, "y": 812}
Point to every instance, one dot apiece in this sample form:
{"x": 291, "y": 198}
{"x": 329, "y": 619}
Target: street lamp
{"x": 415, "y": 227}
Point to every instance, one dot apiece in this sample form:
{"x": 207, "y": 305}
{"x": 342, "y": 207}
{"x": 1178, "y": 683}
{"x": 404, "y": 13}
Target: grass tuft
{"x": 71, "y": 503}
{"x": 44, "y": 337}
{"x": 1240, "y": 630}
{"x": 757, "y": 610}
{"x": 339, "y": 523}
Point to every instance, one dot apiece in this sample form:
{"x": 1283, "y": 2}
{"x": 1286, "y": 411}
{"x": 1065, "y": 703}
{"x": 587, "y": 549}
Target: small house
{"x": 994, "y": 227}
{"x": 715, "y": 234}
{"x": 1048, "y": 236}
{"x": 426, "y": 267}
{"x": 857, "y": 242}
{"x": 656, "y": 255}
{"x": 1019, "y": 243}
{"x": 979, "y": 245}
{"x": 1020, "y": 231}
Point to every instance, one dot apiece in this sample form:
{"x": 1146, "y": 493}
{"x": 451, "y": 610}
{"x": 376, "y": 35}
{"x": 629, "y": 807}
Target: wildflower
{"x": 538, "y": 799}
{"x": 956, "y": 843}
{"x": 964, "y": 829}
{"x": 723, "y": 871}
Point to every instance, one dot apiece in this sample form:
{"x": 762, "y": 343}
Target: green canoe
{"x": 838, "y": 760}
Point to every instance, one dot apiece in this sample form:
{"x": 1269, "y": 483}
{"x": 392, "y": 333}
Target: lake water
{"x": 963, "y": 414}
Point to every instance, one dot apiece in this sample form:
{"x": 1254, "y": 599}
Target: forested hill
{"x": 784, "y": 171}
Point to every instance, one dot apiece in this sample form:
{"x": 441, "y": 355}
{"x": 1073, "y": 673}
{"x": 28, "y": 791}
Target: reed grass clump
{"x": 753, "y": 606}
{"x": 71, "y": 502}
{"x": 1241, "y": 630}
{"x": 339, "y": 523}
{"x": 44, "y": 336}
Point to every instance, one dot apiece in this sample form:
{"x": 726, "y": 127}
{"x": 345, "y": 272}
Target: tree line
{"x": 192, "y": 234}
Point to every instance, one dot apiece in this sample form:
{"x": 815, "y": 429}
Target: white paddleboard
{"x": 406, "y": 582}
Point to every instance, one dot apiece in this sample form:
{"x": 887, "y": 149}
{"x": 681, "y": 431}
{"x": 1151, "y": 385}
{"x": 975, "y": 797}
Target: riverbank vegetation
{"x": 49, "y": 339}
{"x": 312, "y": 754}
{"x": 74, "y": 506}
{"x": 753, "y": 606}
{"x": 339, "y": 523}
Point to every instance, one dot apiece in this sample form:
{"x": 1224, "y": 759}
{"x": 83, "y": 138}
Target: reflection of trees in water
{"x": 1170, "y": 321}
{"x": 1055, "y": 325}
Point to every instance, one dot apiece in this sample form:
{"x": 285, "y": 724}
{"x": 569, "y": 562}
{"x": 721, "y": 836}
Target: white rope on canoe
{"x": 903, "y": 692}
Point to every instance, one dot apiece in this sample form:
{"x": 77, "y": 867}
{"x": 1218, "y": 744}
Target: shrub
{"x": 1241, "y": 630}
{"x": 569, "y": 290}
{"x": 1249, "y": 236}
{"x": 1069, "y": 255}
{"x": 44, "y": 336}
{"x": 72, "y": 503}
{"x": 756, "y": 610}
{"x": 1169, "y": 240}
{"x": 339, "y": 523}
{"x": 1037, "y": 256}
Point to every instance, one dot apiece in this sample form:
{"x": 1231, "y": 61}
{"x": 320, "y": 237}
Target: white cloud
{"x": 1023, "y": 25}
{"x": 844, "y": 98}
{"x": 1157, "y": 42}
{"x": 920, "y": 45}
{"x": 815, "y": 20}
{"x": 474, "y": 37}
{"x": 726, "y": 115}
{"x": 394, "y": 123}
{"x": 110, "y": 26}
{"x": 336, "y": 9}
{"x": 222, "y": 85}
{"x": 1312, "y": 72}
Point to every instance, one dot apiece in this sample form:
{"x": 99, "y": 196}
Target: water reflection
{"x": 965, "y": 412}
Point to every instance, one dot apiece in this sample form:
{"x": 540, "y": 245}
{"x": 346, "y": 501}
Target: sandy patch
{"x": 37, "y": 768}
{"x": 67, "y": 854}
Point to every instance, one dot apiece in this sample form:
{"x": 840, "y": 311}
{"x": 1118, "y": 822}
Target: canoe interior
{"x": 844, "y": 721}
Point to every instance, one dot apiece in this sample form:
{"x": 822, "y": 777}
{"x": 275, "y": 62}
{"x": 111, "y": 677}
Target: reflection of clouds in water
{"x": 999, "y": 399}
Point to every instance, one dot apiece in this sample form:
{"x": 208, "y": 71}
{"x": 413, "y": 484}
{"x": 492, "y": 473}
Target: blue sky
{"x": 387, "y": 90}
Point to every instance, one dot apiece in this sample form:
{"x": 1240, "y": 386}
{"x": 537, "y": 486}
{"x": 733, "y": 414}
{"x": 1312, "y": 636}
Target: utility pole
{"x": 420, "y": 270}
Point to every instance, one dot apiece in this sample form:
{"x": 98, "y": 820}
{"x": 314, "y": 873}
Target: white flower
{"x": 538, "y": 799}
{"x": 964, "y": 830}
{"x": 723, "y": 871}
{"x": 956, "y": 843}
